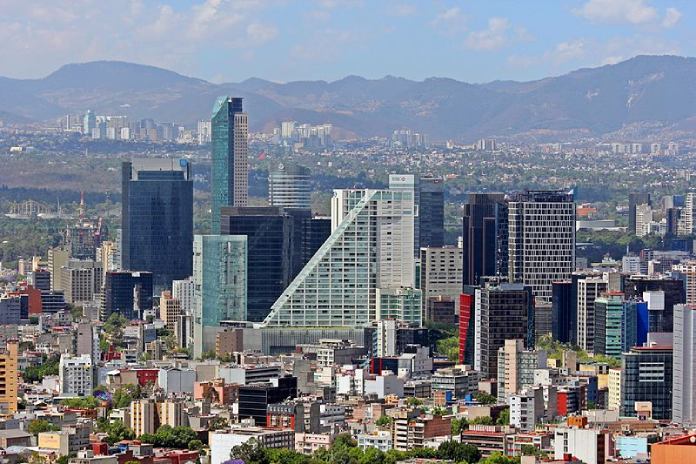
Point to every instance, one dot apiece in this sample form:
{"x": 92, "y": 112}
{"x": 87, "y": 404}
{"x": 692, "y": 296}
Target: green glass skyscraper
{"x": 220, "y": 286}
{"x": 230, "y": 168}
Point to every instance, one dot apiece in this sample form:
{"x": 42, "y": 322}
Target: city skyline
{"x": 473, "y": 42}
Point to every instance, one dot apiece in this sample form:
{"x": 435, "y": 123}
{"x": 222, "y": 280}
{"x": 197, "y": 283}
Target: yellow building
{"x": 8, "y": 378}
{"x": 58, "y": 442}
{"x": 614, "y": 389}
{"x": 170, "y": 308}
{"x": 142, "y": 416}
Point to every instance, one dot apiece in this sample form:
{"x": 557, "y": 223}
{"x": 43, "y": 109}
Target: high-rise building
{"x": 127, "y": 293}
{"x": 646, "y": 382}
{"x": 506, "y": 312}
{"x": 276, "y": 241}
{"x": 57, "y": 258}
{"x": 688, "y": 270}
{"x": 81, "y": 280}
{"x": 541, "y": 240}
{"x": 9, "y": 375}
{"x": 441, "y": 273}
{"x": 290, "y": 186}
{"x": 634, "y": 200}
{"x": 182, "y": 290}
{"x": 170, "y": 309}
{"x": 431, "y": 212}
{"x": 157, "y": 219}
{"x": 480, "y": 236}
{"x": 588, "y": 290}
{"x": 609, "y": 317}
{"x": 684, "y": 379}
{"x": 516, "y": 367}
{"x": 661, "y": 294}
{"x": 563, "y": 319}
{"x": 230, "y": 167}
{"x": 89, "y": 123}
{"x": 365, "y": 271}
{"x": 467, "y": 319}
{"x": 76, "y": 375}
{"x": 220, "y": 286}
{"x": 687, "y": 218}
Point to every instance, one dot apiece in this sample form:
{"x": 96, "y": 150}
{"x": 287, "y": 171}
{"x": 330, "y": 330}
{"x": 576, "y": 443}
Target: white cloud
{"x": 491, "y": 38}
{"x": 261, "y": 33}
{"x": 618, "y": 11}
{"x": 568, "y": 51}
{"x": 167, "y": 34}
{"x": 672, "y": 17}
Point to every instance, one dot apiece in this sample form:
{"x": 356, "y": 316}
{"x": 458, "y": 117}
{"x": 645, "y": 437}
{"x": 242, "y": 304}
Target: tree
{"x": 251, "y": 452}
{"x": 458, "y": 425}
{"x": 499, "y": 458}
{"x": 413, "y": 401}
{"x": 484, "y": 398}
{"x": 458, "y": 452}
{"x": 49, "y": 366}
{"x": 383, "y": 421}
{"x": 38, "y": 426}
{"x": 530, "y": 450}
{"x": 218, "y": 423}
{"x": 195, "y": 445}
{"x": 439, "y": 411}
{"x": 483, "y": 420}
{"x": 86, "y": 402}
{"x": 504, "y": 417}
{"x": 116, "y": 432}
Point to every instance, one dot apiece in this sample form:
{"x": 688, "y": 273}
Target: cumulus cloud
{"x": 672, "y": 17}
{"x": 495, "y": 36}
{"x": 635, "y": 12}
{"x": 163, "y": 34}
{"x": 629, "y": 11}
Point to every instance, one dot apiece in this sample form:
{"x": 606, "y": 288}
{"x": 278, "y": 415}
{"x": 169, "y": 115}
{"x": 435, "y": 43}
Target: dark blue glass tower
{"x": 157, "y": 219}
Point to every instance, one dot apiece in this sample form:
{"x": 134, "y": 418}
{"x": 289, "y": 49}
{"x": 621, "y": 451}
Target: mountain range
{"x": 655, "y": 92}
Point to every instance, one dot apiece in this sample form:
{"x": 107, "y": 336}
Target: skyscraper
{"x": 563, "y": 318}
{"x": 647, "y": 377}
{"x": 588, "y": 290}
{"x": 220, "y": 286}
{"x": 229, "y": 184}
{"x": 506, "y": 312}
{"x": 541, "y": 239}
{"x": 276, "y": 250}
{"x": 90, "y": 122}
{"x": 365, "y": 270}
{"x": 609, "y": 317}
{"x": 480, "y": 236}
{"x": 127, "y": 293}
{"x": 289, "y": 186}
{"x": 157, "y": 219}
{"x": 635, "y": 199}
{"x": 431, "y": 212}
{"x": 684, "y": 380}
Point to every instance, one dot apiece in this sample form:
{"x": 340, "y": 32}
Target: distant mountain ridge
{"x": 656, "y": 91}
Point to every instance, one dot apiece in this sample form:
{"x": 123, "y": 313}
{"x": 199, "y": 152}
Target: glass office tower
{"x": 157, "y": 219}
{"x": 229, "y": 184}
{"x": 219, "y": 286}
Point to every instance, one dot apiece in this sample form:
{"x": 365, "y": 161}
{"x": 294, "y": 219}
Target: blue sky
{"x": 283, "y": 40}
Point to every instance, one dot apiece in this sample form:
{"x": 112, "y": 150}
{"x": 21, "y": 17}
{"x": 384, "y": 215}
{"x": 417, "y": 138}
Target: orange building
{"x": 676, "y": 450}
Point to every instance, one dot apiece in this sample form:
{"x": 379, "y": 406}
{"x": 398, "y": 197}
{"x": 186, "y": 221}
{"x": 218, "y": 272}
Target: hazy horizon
{"x": 230, "y": 41}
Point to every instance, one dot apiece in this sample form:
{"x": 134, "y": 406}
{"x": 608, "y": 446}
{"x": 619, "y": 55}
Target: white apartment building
{"x": 76, "y": 375}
